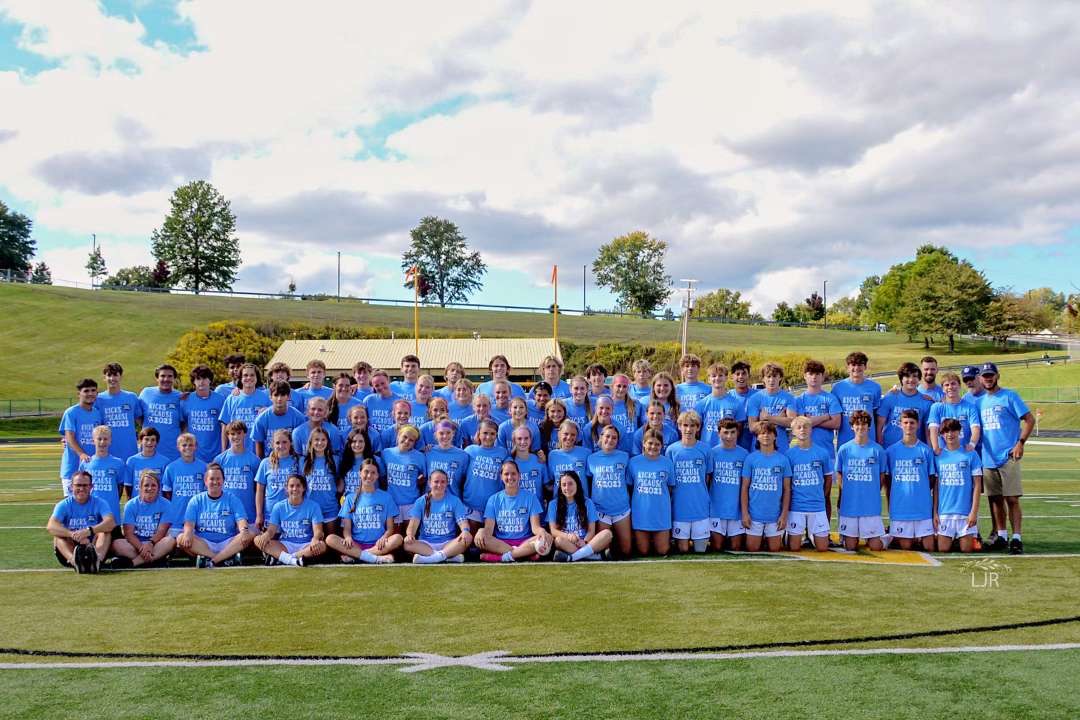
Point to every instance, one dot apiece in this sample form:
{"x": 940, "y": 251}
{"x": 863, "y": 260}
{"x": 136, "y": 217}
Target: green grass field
{"x": 719, "y": 601}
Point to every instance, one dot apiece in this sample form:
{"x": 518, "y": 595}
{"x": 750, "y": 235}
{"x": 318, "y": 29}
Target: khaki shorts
{"x": 1004, "y": 480}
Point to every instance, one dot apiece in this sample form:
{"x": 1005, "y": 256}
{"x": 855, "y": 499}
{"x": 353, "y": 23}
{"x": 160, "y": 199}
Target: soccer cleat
{"x": 490, "y": 557}
{"x": 299, "y": 561}
{"x": 1016, "y": 547}
{"x": 999, "y": 544}
{"x": 234, "y": 561}
{"x": 85, "y": 559}
{"x": 118, "y": 563}
{"x": 269, "y": 560}
{"x": 561, "y": 556}
{"x": 203, "y": 562}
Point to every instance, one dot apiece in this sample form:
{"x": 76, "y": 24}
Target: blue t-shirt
{"x": 775, "y": 404}
{"x": 578, "y": 415}
{"x": 506, "y": 435}
{"x": 453, "y": 461}
{"x": 512, "y": 514}
{"x": 690, "y": 394}
{"x": 360, "y": 393}
{"x": 380, "y": 412}
{"x": 956, "y": 472}
{"x": 202, "y": 418}
{"x": 488, "y": 388}
{"x": 225, "y": 389}
{"x": 966, "y": 411}
{"x": 561, "y": 389}
{"x": 275, "y": 480}
{"x": 268, "y": 422}
{"x": 110, "y": 475}
{"x": 322, "y": 487}
{"x": 713, "y": 409}
{"x": 625, "y": 420}
{"x": 608, "y": 471}
{"x": 82, "y": 423}
{"x": 184, "y": 480}
{"x": 215, "y": 518}
{"x": 909, "y": 470}
{"x": 576, "y": 459}
{"x": 301, "y": 433}
{"x": 418, "y": 413}
{"x": 164, "y": 413}
{"x": 1000, "y": 413}
{"x": 936, "y": 393}
{"x": 534, "y": 476}
{"x": 766, "y": 474}
{"x": 572, "y": 524}
{"x": 121, "y": 411}
{"x": 403, "y": 389}
{"x": 500, "y": 415}
{"x": 626, "y": 442}
{"x": 427, "y": 437}
{"x": 446, "y": 392}
{"x": 639, "y": 393}
{"x": 483, "y": 478}
{"x": 76, "y": 516}
{"x": 368, "y": 513}
{"x": 808, "y": 471}
{"x": 403, "y": 472}
{"x": 296, "y": 522}
{"x": 724, "y": 495}
{"x": 862, "y": 396}
{"x": 300, "y": 396}
{"x": 239, "y": 470}
{"x": 816, "y": 405}
{"x": 139, "y": 462}
{"x": 144, "y": 518}
{"x": 890, "y": 408}
{"x": 343, "y": 425}
{"x": 442, "y": 523}
{"x": 692, "y": 465}
{"x": 352, "y": 475}
{"x": 861, "y": 467}
{"x": 650, "y": 504}
{"x": 671, "y": 435}
{"x": 245, "y": 408}
{"x": 457, "y": 411}
{"x": 746, "y": 438}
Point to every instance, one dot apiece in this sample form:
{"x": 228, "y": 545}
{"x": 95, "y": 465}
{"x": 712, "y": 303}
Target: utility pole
{"x": 686, "y": 309}
{"x": 825, "y": 302}
{"x": 339, "y": 276}
{"x": 583, "y": 305}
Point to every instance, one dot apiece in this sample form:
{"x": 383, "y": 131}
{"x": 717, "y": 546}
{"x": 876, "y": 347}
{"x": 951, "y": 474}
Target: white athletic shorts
{"x": 612, "y": 519}
{"x": 912, "y": 528}
{"x": 757, "y": 529}
{"x": 403, "y": 513}
{"x": 862, "y": 526}
{"x": 293, "y": 547}
{"x": 955, "y": 526}
{"x": 818, "y": 522}
{"x": 216, "y": 547}
{"x": 475, "y": 515}
{"x": 65, "y": 484}
{"x": 435, "y": 547}
{"x": 693, "y": 530}
{"x": 727, "y": 528}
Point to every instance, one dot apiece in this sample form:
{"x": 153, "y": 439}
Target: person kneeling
{"x": 215, "y": 524}
{"x": 294, "y": 533}
{"x": 81, "y": 525}
{"x": 368, "y": 521}
{"x": 512, "y": 529}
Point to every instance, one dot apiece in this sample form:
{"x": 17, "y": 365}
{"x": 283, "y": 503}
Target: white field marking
{"x": 1051, "y": 517}
{"x": 1055, "y": 443}
{"x": 23, "y": 527}
{"x": 497, "y": 660}
{"x": 20, "y": 504}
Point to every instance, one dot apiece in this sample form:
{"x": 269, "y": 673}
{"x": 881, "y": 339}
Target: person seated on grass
{"x": 438, "y": 528}
{"x": 652, "y": 476}
{"x": 960, "y": 473}
{"x": 146, "y": 526}
{"x": 811, "y": 485}
{"x": 81, "y": 520}
{"x": 765, "y": 496}
{"x": 215, "y": 524}
{"x": 512, "y": 529}
{"x": 294, "y": 530}
{"x": 572, "y": 519}
{"x": 860, "y": 472}
{"x": 368, "y": 521}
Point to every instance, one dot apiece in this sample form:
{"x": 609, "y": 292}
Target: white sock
{"x": 1002, "y": 533}
{"x": 436, "y": 557}
{"x": 582, "y": 552}
{"x": 368, "y": 557}
{"x": 1016, "y": 536}
{"x": 286, "y": 558}
{"x": 700, "y": 546}
{"x": 507, "y": 557}
{"x": 459, "y": 558}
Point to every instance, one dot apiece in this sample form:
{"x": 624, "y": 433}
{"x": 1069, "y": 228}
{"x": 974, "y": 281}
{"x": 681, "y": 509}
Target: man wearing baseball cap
{"x": 1006, "y": 425}
{"x": 970, "y": 376}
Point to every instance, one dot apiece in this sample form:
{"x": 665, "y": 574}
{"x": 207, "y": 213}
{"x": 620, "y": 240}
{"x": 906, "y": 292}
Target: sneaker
{"x": 118, "y": 563}
{"x": 1016, "y": 546}
{"x": 234, "y": 561}
{"x": 299, "y": 561}
{"x": 456, "y": 559}
{"x": 348, "y": 560}
{"x": 85, "y": 559}
{"x": 203, "y": 562}
{"x": 384, "y": 559}
{"x": 490, "y": 557}
{"x": 561, "y": 556}
{"x": 999, "y": 544}
{"x": 269, "y": 560}
{"x": 416, "y": 559}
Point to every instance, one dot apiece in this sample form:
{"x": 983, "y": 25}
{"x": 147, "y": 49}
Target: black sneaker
{"x": 203, "y": 562}
{"x": 999, "y": 544}
{"x": 300, "y": 560}
{"x": 85, "y": 559}
{"x": 268, "y": 560}
{"x": 234, "y": 561}
{"x": 1016, "y": 547}
{"x": 560, "y": 556}
{"x": 118, "y": 563}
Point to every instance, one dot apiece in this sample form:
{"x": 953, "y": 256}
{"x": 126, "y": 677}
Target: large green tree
{"x": 632, "y": 267}
{"x": 16, "y": 245}
{"x": 941, "y": 295}
{"x": 448, "y": 271}
{"x": 722, "y": 303}
{"x": 1008, "y": 314}
{"x": 196, "y": 241}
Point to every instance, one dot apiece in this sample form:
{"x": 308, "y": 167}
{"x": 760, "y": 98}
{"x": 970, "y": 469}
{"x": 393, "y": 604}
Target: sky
{"x": 773, "y": 146}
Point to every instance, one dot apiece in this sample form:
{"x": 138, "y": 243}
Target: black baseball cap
{"x": 988, "y": 369}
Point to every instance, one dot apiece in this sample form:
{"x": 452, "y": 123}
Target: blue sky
{"x": 771, "y": 150}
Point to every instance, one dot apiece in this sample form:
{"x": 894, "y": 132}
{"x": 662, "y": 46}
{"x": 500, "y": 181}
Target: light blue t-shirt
{"x": 650, "y": 504}
{"x": 576, "y": 459}
{"x": 671, "y": 435}
{"x": 184, "y": 480}
{"x": 403, "y": 472}
{"x": 861, "y": 467}
{"x": 139, "y": 462}
{"x": 275, "y": 480}
{"x": 488, "y": 388}
{"x": 692, "y": 466}
{"x": 442, "y": 523}
{"x": 225, "y": 389}
{"x": 343, "y": 425}
{"x": 239, "y": 470}
{"x": 626, "y": 442}
{"x": 690, "y": 394}
{"x": 215, "y": 519}
{"x": 808, "y": 470}
{"x": 110, "y": 475}
{"x": 572, "y": 524}
{"x": 862, "y": 396}
{"x": 453, "y": 461}
{"x": 164, "y": 413}
{"x": 816, "y": 405}
{"x": 380, "y": 412}
{"x": 322, "y": 487}
{"x": 202, "y": 418}
{"x": 966, "y": 411}
{"x": 76, "y": 516}
{"x": 296, "y": 522}
{"x": 300, "y": 396}
{"x": 403, "y": 389}
{"x": 512, "y": 514}
{"x": 121, "y": 411}
{"x": 713, "y": 409}
{"x": 936, "y": 393}
{"x": 746, "y": 438}
{"x": 776, "y": 404}
{"x": 724, "y": 495}
{"x": 457, "y": 411}
{"x": 506, "y": 435}
{"x": 144, "y": 518}
{"x": 483, "y": 478}
{"x": 1000, "y": 413}
{"x": 895, "y": 403}
{"x": 909, "y": 470}
{"x": 82, "y": 423}
{"x": 956, "y": 472}
{"x": 427, "y": 437}
{"x": 368, "y": 513}
{"x": 534, "y": 476}
{"x": 246, "y": 408}
{"x": 560, "y": 389}
{"x": 766, "y": 474}
{"x": 301, "y": 433}
{"x": 608, "y": 471}
{"x": 268, "y": 422}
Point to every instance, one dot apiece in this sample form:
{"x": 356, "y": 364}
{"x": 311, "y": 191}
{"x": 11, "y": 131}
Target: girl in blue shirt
{"x": 569, "y": 455}
{"x": 358, "y": 421}
{"x": 572, "y": 518}
{"x": 578, "y": 407}
{"x": 609, "y": 489}
{"x": 273, "y": 474}
{"x": 215, "y": 527}
{"x": 321, "y": 473}
{"x": 368, "y": 521}
{"x": 341, "y": 402}
{"x": 470, "y": 426}
{"x": 294, "y": 533}
{"x": 554, "y": 416}
{"x": 460, "y": 407}
{"x": 438, "y": 525}
{"x": 625, "y": 411}
{"x": 438, "y": 411}
{"x": 534, "y": 473}
{"x": 404, "y": 472}
{"x": 655, "y": 419}
{"x": 604, "y": 409}
{"x": 482, "y": 480}
{"x": 357, "y": 449}
{"x": 652, "y": 476}
{"x": 146, "y": 525}
{"x": 512, "y": 529}
{"x": 536, "y": 405}
{"x": 663, "y": 392}
{"x": 519, "y": 417}
{"x": 448, "y": 457}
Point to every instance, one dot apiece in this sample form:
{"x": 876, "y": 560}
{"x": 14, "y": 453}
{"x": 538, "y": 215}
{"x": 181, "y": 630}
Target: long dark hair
{"x": 349, "y": 459}
{"x": 547, "y": 426}
{"x": 561, "y": 503}
{"x": 360, "y": 487}
{"x": 333, "y": 408}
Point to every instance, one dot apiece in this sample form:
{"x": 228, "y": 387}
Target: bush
{"x": 211, "y": 344}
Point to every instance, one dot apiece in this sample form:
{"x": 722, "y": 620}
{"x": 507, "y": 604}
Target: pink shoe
{"x": 490, "y": 557}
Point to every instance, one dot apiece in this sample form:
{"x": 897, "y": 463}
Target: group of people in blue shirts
{"x": 369, "y": 470}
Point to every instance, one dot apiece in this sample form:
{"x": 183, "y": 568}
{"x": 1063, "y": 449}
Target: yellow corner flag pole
{"x": 555, "y": 283}
{"x": 416, "y": 308}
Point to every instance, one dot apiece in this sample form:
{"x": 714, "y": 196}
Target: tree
{"x": 1008, "y": 315}
{"x": 95, "y": 265}
{"x": 448, "y": 271}
{"x": 943, "y": 295}
{"x": 42, "y": 275}
{"x": 196, "y": 241}
{"x": 865, "y": 297}
{"x": 722, "y": 303}
{"x": 160, "y": 277}
{"x": 632, "y": 267}
{"x": 784, "y": 313}
{"x": 136, "y": 276}
{"x": 16, "y": 245}
{"x": 815, "y": 304}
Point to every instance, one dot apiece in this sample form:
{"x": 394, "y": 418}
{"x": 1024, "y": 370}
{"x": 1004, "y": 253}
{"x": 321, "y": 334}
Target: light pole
{"x": 686, "y": 309}
{"x": 339, "y": 276}
{"x": 825, "y": 302}
{"x": 583, "y": 281}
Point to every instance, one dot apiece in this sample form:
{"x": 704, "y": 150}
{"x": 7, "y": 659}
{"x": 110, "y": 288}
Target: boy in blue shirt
{"x": 145, "y": 526}
{"x": 956, "y": 505}
{"x": 315, "y": 386}
{"x": 952, "y": 405}
{"x": 239, "y": 466}
{"x": 361, "y": 373}
{"x": 820, "y": 407}
{"x": 109, "y": 473}
{"x": 772, "y": 405}
{"x": 81, "y": 519}
{"x": 725, "y": 515}
{"x": 281, "y": 415}
{"x": 410, "y": 372}
{"x": 692, "y": 463}
{"x": 765, "y": 494}
{"x": 691, "y": 389}
{"x": 860, "y": 471}
{"x": 893, "y": 404}
{"x": 740, "y": 378}
{"x": 857, "y": 392}
{"x": 162, "y": 410}
{"x": 811, "y": 486}
{"x": 77, "y": 428}
{"x": 232, "y": 363}
{"x": 122, "y": 410}
{"x": 718, "y": 405}
{"x": 202, "y": 413}
{"x": 910, "y": 476}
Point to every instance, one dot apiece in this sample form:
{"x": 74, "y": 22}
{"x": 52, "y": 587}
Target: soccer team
{"x": 374, "y": 471}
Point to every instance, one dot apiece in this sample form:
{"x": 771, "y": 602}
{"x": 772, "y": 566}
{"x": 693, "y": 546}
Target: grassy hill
{"x": 43, "y": 328}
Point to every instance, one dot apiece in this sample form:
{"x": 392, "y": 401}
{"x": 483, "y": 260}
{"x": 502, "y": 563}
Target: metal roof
{"x": 524, "y": 354}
